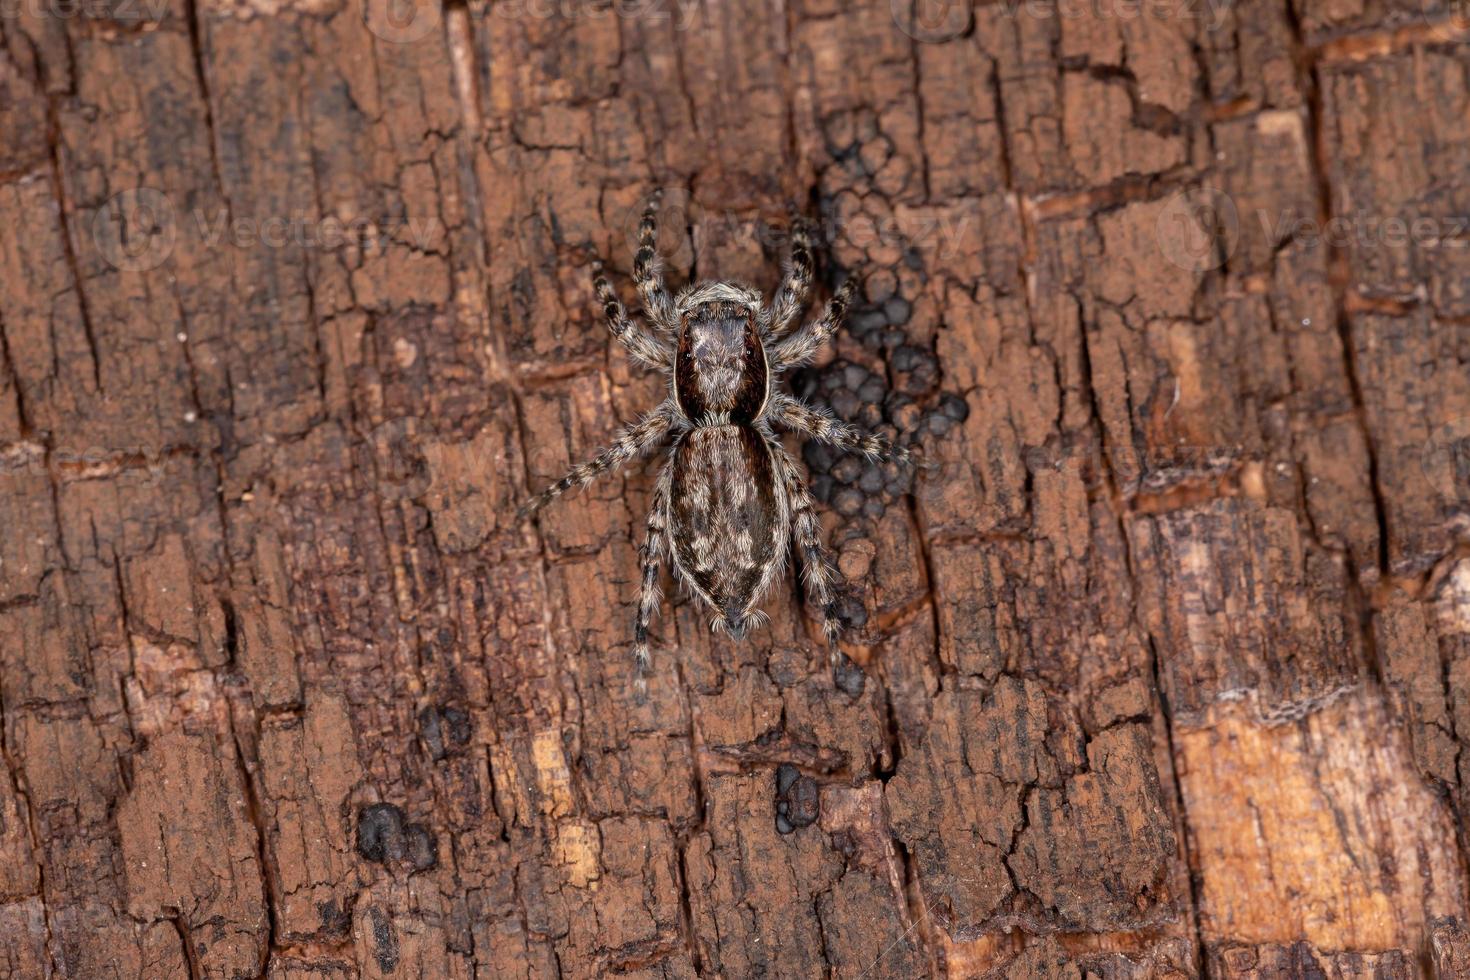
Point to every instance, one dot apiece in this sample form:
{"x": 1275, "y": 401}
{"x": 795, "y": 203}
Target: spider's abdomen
{"x": 725, "y": 517}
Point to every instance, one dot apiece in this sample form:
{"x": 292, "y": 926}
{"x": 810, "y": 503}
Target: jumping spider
{"x": 729, "y": 499}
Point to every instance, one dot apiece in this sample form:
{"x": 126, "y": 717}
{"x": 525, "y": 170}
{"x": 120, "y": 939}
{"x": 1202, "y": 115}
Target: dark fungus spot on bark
{"x": 445, "y": 730}
{"x": 955, "y": 407}
{"x": 385, "y": 941}
{"x": 848, "y": 677}
{"x": 798, "y": 802}
{"x": 847, "y": 469}
{"x": 910, "y": 412}
{"x": 897, "y": 310}
{"x": 421, "y": 847}
{"x": 786, "y": 774}
{"x": 819, "y": 456}
{"x": 383, "y": 837}
{"x": 335, "y": 919}
{"x": 380, "y": 832}
{"x": 848, "y": 502}
{"x": 851, "y": 611}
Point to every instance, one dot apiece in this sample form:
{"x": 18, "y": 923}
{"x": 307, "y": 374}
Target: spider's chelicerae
{"x": 729, "y": 500}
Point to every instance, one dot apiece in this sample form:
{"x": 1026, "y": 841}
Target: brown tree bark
{"x": 1167, "y": 657}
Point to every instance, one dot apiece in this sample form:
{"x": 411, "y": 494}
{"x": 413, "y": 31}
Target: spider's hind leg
{"x": 631, "y": 440}
{"x": 796, "y": 415}
{"x": 655, "y": 544}
{"x": 817, "y": 569}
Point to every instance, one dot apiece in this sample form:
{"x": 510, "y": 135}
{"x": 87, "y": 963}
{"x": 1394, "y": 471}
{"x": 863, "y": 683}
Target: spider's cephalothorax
{"x": 720, "y": 370}
{"x": 729, "y": 502}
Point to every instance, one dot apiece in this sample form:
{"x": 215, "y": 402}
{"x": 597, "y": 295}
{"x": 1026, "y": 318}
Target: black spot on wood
{"x": 420, "y": 847}
{"x": 380, "y": 832}
{"x": 334, "y": 918}
{"x": 445, "y": 730}
{"x": 385, "y": 941}
{"x": 848, "y": 677}
{"x": 798, "y": 799}
{"x": 384, "y": 838}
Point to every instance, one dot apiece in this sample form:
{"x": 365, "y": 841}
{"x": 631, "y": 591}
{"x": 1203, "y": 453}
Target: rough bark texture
{"x": 1168, "y": 657}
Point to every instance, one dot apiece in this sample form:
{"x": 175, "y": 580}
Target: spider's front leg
{"x": 804, "y": 343}
{"x": 631, "y": 440}
{"x": 820, "y": 575}
{"x": 791, "y": 296}
{"x": 647, "y": 273}
{"x": 797, "y": 416}
{"x": 628, "y": 332}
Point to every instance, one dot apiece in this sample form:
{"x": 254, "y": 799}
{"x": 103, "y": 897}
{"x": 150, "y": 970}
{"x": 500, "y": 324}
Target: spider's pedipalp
{"x": 796, "y": 415}
{"x": 631, "y": 440}
{"x": 629, "y": 333}
{"x": 802, "y": 345}
{"x": 647, "y": 271}
{"x": 791, "y": 296}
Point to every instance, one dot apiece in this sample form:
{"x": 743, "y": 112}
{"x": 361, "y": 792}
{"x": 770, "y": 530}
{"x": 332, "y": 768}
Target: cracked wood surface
{"x": 1168, "y": 658}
